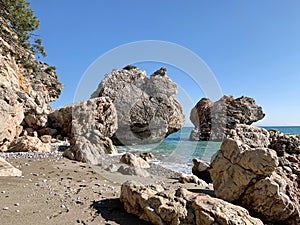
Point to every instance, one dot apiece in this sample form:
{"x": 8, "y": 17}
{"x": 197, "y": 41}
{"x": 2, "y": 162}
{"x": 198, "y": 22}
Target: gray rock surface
{"x": 133, "y": 161}
{"x": 213, "y": 121}
{"x": 250, "y": 135}
{"x": 257, "y": 178}
{"x": 135, "y": 171}
{"x": 89, "y": 124}
{"x": 201, "y": 170}
{"x": 147, "y": 108}
{"x": 160, "y": 207}
{"x": 28, "y": 144}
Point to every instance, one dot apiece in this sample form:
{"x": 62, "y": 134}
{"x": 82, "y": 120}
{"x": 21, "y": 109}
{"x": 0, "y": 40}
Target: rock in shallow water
{"x": 146, "y": 107}
{"x": 213, "y": 121}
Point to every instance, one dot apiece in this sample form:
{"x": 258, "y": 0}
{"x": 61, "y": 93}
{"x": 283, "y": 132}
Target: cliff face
{"x": 26, "y": 88}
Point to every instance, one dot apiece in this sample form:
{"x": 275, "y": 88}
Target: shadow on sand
{"x": 112, "y": 210}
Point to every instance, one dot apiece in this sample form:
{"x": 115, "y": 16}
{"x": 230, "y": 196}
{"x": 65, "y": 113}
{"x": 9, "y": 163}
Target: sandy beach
{"x": 61, "y": 191}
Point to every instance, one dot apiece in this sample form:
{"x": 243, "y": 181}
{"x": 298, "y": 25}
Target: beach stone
{"x": 89, "y": 124}
{"x": 131, "y": 160}
{"x": 192, "y": 179}
{"x": 135, "y": 171}
{"x": 46, "y": 138}
{"x": 147, "y": 156}
{"x": 28, "y": 144}
{"x": 256, "y": 178}
{"x": 158, "y": 206}
{"x": 47, "y": 131}
{"x": 214, "y": 120}
{"x": 201, "y": 170}
{"x": 6, "y": 169}
{"x": 146, "y": 107}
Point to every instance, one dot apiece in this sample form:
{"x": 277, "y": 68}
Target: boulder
{"x": 213, "y": 121}
{"x": 158, "y": 206}
{"x": 147, "y": 108}
{"x": 257, "y": 178}
{"x": 89, "y": 124}
{"x": 28, "y": 144}
{"x": 201, "y": 170}
{"x": 147, "y": 156}
{"x": 133, "y": 161}
{"x": 134, "y": 171}
{"x": 192, "y": 179}
{"x": 6, "y": 169}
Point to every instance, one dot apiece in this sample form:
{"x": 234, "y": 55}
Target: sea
{"x": 176, "y": 152}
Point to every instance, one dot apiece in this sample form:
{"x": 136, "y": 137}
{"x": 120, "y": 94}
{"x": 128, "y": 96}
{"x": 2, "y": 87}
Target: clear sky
{"x": 252, "y": 47}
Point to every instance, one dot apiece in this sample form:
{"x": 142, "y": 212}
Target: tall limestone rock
{"x": 146, "y": 107}
{"x": 214, "y": 120}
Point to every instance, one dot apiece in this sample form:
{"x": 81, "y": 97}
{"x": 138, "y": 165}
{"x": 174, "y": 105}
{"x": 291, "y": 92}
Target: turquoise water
{"x": 285, "y": 129}
{"x": 176, "y": 151}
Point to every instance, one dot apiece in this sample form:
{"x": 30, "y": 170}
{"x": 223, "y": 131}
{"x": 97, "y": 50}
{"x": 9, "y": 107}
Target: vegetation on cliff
{"x": 18, "y": 24}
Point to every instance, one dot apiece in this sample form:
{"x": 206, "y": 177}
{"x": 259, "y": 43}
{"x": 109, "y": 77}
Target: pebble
{"x": 32, "y": 155}
{"x": 3, "y": 192}
{"x": 5, "y": 208}
{"x": 17, "y": 204}
{"x": 17, "y": 211}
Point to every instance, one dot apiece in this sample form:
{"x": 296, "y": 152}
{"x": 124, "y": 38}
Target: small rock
{"x": 46, "y": 139}
{"x": 131, "y": 160}
{"x": 147, "y": 155}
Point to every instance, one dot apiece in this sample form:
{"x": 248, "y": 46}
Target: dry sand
{"x": 60, "y": 191}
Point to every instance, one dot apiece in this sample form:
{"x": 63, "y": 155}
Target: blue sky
{"x": 252, "y": 47}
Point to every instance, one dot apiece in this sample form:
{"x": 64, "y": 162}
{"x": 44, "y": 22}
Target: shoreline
{"x": 56, "y": 190}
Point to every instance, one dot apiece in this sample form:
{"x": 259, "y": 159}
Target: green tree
{"x": 17, "y": 16}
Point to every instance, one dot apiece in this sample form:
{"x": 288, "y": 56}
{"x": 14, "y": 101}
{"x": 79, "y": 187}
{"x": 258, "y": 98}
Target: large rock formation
{"x": 26, "y": 88}
{"x": 213, "y": 121}
{"x": 89, "y": 124}
{"x": 248, "y": 172}
{"x": 146, "y": 107}
{"x": 161, "y": 207}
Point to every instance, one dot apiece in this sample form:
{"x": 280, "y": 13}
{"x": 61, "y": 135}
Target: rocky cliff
{"x": 26, "y": 88}
{"x": 146, "y": 107}
{"x": 214, "y": 120}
